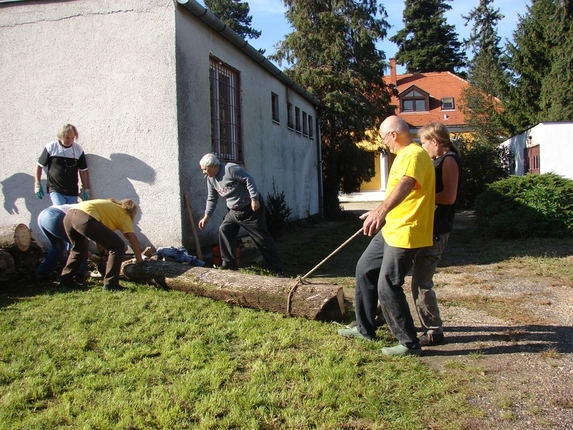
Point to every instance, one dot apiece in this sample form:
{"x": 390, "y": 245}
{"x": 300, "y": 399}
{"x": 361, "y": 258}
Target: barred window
{"x": 225, "y": 111}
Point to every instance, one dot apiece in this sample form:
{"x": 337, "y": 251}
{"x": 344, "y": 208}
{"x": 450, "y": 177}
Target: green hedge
{"x": 526, "y": 206}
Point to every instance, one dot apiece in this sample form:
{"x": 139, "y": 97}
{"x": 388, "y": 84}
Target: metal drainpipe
{"x": 319, "y": 156}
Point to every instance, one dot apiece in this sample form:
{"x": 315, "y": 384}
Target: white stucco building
{"x": 151, "y": 85}
{"x": 543, "y": 148}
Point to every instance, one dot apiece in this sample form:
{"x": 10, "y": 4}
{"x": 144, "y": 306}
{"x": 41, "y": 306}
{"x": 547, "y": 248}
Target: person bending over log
{"x": 246, "y": 209}
{"x": 51, "y": 224}
{"x": 98, "y": 220}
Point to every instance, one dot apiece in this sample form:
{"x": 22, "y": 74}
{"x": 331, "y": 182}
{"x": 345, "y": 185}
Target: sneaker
{"x": 353, "y": 332}
{"x": 401, "y": 350}
{"x": 380, "y": 321}
{"x": 431, "y": 339}
{"x": 110, "y": 287}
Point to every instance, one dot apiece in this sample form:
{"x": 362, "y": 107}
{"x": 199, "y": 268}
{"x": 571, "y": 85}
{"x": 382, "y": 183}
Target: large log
{"x": 312, "y": 300}
{"x": 17, "y": 235}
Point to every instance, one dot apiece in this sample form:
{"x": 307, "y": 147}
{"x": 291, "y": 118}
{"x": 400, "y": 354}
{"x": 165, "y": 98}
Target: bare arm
{"x": 85, "y": 177}
{"x": 375, "y": 219}
{"x": 450, "y": 176}
{"x": 38, "y": 174}
{"x": 134, "y": 242}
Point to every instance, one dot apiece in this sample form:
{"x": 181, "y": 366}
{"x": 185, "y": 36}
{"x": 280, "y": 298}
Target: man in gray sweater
{"x": 246, "y": 209}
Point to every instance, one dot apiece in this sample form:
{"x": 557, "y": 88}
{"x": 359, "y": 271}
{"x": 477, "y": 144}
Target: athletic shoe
{"x": 401, "y": 350}
{"x": 353, "y": 332}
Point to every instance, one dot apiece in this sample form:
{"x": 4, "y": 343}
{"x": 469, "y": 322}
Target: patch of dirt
{"x": 509, "y": 333}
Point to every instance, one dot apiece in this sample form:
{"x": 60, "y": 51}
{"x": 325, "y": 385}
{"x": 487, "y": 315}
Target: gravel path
{"x": 520, "y": 362}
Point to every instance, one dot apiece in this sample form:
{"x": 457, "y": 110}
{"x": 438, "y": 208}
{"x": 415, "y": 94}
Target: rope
{"x": 300, "y": 280}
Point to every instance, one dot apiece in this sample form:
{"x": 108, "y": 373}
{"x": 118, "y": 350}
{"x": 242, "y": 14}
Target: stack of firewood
{"x": 19, "y": 253}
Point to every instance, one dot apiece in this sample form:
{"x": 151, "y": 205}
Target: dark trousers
{"x": 380, "y": 274}
{"x": 255, "y": 224}
{"x": 79, "y": 227}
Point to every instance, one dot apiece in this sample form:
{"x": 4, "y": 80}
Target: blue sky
{"x": 268, "y": 17}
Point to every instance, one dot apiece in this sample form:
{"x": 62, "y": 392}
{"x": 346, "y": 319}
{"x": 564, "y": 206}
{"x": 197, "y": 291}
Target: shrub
{"x": 278, "y": 212}
{"x": 526, "y": 206}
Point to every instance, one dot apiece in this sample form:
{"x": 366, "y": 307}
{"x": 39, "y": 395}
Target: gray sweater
{"x": 233, "y": 183}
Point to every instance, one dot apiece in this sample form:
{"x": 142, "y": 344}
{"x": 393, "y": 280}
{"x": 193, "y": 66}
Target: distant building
{"x": 543, "y": 148}
{"x": 422, "y": 98}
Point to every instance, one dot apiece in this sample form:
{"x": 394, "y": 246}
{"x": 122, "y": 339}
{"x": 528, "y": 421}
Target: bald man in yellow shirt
{"x": 406, "y": 218}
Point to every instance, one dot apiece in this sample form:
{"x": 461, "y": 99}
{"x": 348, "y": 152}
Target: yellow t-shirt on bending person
{"x": 410, "y": 224}
{"x": 108, "y": 213}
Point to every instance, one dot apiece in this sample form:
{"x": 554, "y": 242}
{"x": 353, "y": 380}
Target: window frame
{"x": 226, "y": 112}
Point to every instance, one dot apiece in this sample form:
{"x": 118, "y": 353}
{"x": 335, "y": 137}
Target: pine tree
{"x": 481, "y": 101}
{"x": 529, "y": 59}
{"x": 332, "y": 52}
{"x": 556, "y": 100}
{"x": 235, "y": 14}
{"x": 427, "y": 43}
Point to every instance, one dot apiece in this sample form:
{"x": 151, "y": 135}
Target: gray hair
{"x": 209, "y": 160}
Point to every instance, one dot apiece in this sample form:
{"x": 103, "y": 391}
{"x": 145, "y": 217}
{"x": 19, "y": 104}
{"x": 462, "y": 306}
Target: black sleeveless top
{"x": 444, "y": 214}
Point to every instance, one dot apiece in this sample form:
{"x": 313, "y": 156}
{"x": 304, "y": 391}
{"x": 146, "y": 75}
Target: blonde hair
{"x": 438, "y": 131}
{"x": 65, "y": 129}
{"x": 128, "y": 205}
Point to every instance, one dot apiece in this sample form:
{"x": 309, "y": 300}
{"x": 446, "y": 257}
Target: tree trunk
{"x": 317, "y": 301}
{"x": 17, "y": 235}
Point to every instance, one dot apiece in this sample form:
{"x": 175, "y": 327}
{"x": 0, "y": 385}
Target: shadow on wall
{"x": 21, "y": 186}
{"x": 109, "y": 178}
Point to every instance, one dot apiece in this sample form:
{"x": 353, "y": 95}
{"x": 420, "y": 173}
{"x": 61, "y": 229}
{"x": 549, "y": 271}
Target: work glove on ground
{"x": 39, "y": 191}
{"x": 86, "y": 194}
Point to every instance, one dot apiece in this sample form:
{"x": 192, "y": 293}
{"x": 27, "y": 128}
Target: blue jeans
{"x": 51, "y": 224}
{"x": 60, "y": 199}
{"x": 380, "y": 274}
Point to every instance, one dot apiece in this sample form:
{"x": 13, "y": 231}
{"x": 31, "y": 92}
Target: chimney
{"x": 393, "y": 79}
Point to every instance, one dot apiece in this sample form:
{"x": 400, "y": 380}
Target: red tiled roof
{"x": 438, "y": 85}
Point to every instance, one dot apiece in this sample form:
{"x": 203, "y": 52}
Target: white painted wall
{"x": 133, "y": 77}
{"x": 107, "y": 67}
{"x": 554, "y": 140}
{"x": 271, "y": 151}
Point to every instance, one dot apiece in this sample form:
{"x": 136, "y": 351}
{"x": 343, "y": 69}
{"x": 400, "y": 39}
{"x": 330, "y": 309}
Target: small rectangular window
{"x": 297, "y": 118}
{"x": 275, "y": 107}
{"x": 290, "y": 121}
{"x": 447, "y": 103}
{"x": 304, "y": 124}
{"x": 310, "y": 127}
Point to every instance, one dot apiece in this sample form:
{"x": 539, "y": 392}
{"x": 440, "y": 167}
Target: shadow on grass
{"x": 517, "y": 339}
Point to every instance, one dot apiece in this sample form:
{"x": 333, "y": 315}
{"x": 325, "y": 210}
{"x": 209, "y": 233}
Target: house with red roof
{"x": 421, "y": 98}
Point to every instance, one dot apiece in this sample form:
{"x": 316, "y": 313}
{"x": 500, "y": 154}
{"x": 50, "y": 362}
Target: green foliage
{"x": 234, "y": 13}
{"x": 529, "y": 57}
{"x": 332, "y": 52}
{"x": 526, "y": 206}
{"x": 482, "y": 164}
{"x": 278, "y": 212}
{"x": 427, "y": 43}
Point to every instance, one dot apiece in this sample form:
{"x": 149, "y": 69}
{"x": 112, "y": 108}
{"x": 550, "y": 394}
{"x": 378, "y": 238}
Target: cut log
{"x": 17, "y": 235}
{"x": 312, "y": 300}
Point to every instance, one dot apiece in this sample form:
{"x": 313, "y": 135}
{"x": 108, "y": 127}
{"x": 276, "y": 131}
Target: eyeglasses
{"x": 385, "y": 137}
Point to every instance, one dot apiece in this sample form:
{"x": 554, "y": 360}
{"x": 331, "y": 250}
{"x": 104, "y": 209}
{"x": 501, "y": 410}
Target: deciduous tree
{"x": 332, "y": 52}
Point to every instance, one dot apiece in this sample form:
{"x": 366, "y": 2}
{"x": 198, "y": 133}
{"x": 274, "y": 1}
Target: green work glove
{"x": 39, "y": 190}
{"x": 86, "y": 194}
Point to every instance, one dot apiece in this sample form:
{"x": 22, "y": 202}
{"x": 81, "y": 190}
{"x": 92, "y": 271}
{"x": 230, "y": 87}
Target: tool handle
{"x": 332, "y": 253}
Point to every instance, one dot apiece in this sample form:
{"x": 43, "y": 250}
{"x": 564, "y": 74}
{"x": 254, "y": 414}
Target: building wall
{"x": 107, "y": 67}
{"x": 273, "y": 154}
{"x": 553, "y": 140}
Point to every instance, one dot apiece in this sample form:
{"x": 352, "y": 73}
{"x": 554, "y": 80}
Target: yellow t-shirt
{"x": 410, "y": 224}
{"x": 108, "y": 213}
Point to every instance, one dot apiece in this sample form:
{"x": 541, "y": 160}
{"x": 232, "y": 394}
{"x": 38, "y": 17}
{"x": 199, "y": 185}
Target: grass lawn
{"x": 148, "y": 358}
